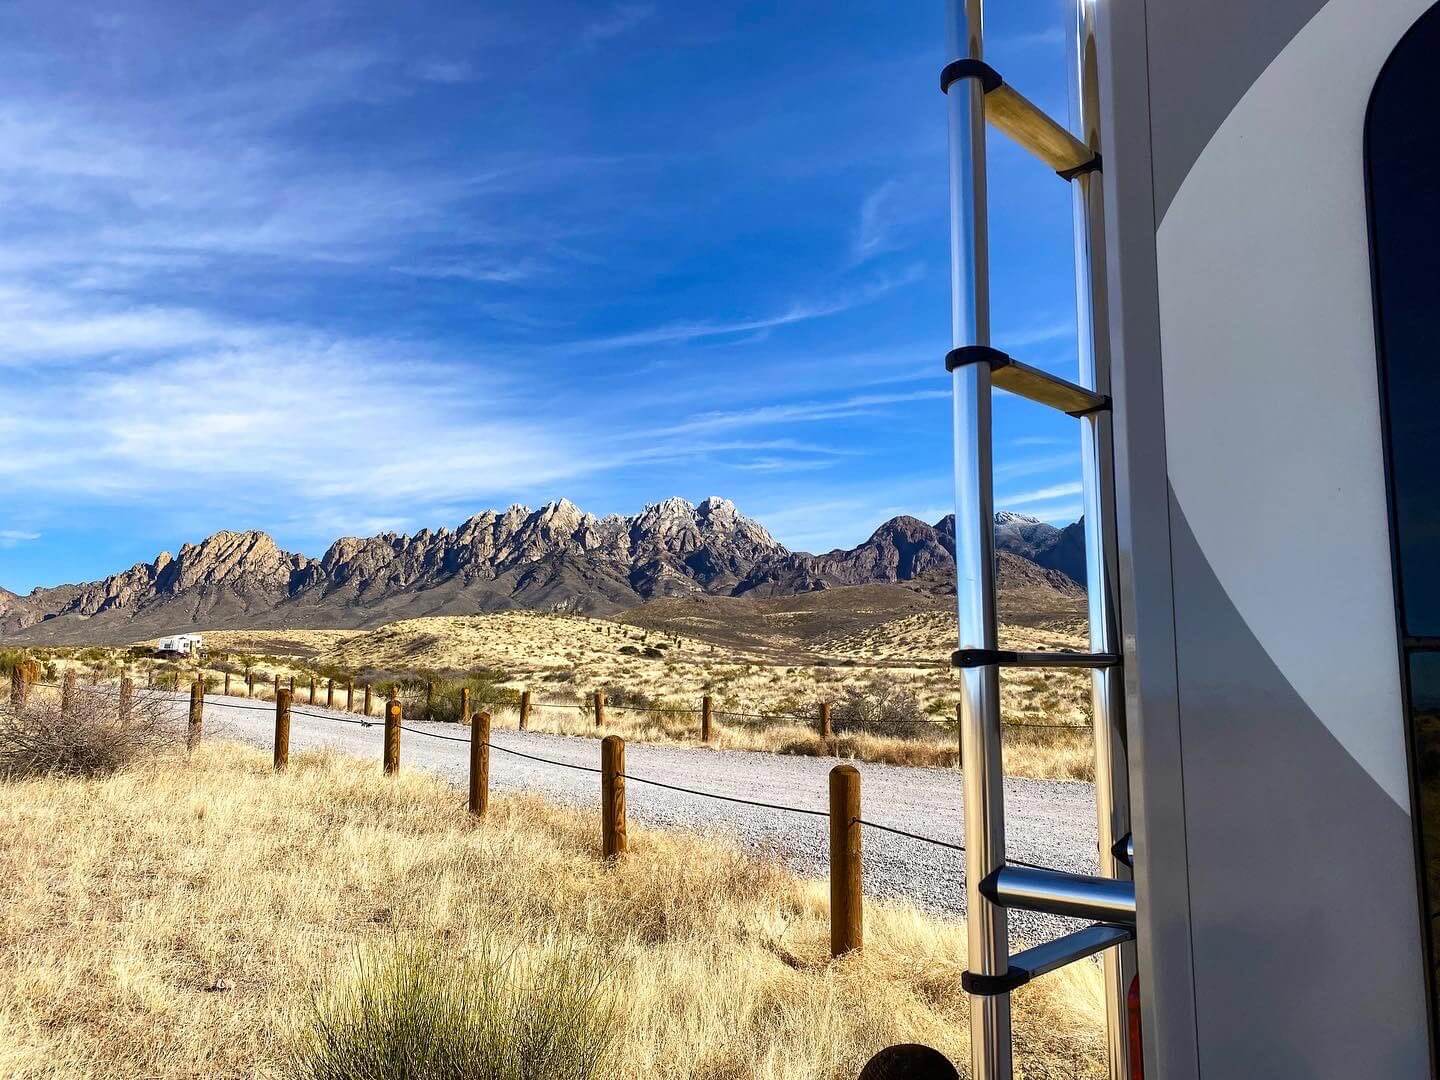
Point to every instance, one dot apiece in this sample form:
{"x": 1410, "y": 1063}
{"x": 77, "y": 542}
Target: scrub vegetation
{"x": 202, "y": 915}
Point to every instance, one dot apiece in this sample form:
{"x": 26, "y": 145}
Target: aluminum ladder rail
{"x": 976, "y": 94}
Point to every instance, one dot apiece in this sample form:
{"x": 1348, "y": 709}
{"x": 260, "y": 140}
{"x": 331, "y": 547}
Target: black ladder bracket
{"x": 1028, "y": 382}
{"x": 973, "y": 658}
{"x": 1047, "y": 957}
{"x": 956, "y": 70}
{"x": 990, "y": 985}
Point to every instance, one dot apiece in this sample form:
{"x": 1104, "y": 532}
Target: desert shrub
{"x": 414, "y": 1010}
{"x": 485, "y": 691}
{"x": 12, "y": 659}
{"x": 339, "y": 672}
{"x": 90, "y": 739}
{"x": 626, "y": 697}
{"x": 882, "y": 707}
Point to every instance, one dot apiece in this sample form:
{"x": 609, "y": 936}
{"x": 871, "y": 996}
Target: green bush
{"x": 412, "y": 690}
{"x": 10, "y": 659}
{"x": 412, "y": 1011}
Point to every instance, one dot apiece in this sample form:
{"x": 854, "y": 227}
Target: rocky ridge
{"x": 556, "y": 558}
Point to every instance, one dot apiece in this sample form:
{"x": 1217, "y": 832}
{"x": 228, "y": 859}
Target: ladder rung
{"x": 1024, "y": 121}
{"x": 1050, "y": 956}
{"x": 1030, "y": 383}
{"x": 969, "y": 658}
{"x": 1056, "y": 893}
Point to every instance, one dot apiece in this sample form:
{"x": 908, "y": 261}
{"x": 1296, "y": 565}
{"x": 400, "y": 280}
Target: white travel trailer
{"x": 180, "y": 645}
{"x": 1257, "y": 209}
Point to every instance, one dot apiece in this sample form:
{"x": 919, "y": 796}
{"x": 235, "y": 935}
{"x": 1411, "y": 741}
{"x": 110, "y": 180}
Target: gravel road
{"x": 1050, "y": 822}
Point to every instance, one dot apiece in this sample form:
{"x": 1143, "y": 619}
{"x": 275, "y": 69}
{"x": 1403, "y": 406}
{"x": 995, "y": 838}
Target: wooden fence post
{"x": 312, "y": 689}
{"x": 707, "y": 716}
{"x": 127, "y": 695}
{"x": 612, "y": 795}
{"x": 197, "y": 713}
{"x": 826, "y": 729}
{"x": 367, "y": 699}
{"x": 249, "y": 684}
{"x": 599, "y": 708}
{"x": 350, "y": 695}
{"x": 282, "y": 730}
{"x": 846, "y": 898}
{"x": 277, "y": 684}
{"x": 959, "y": 740}
{"x": 149, "y": 678}
{"x": 227, "y": 684}
{"x": 94, "y": 676}
{"x": 175, "y": 682}
{"x": 465, "y": 705}
{"x": 429, "y": 699}
{"x": 480, "y": 764}
{"x": 392, "y": 736}
{"x": 292, "y": 684}
{"x": 67, "y": 693}
{"x": 330, "y": 694}
{"x": 19, "y": 686}
{"x": 524, "y": 709}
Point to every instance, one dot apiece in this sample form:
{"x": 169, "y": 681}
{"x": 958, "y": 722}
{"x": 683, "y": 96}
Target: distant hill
{"x": 556, "y": 558}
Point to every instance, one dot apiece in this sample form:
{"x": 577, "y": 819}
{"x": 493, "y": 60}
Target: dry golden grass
{"x": 124, "y": 901}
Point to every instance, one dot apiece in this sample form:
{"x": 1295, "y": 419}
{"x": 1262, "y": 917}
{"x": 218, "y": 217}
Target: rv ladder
{"x": 976, "y": 94}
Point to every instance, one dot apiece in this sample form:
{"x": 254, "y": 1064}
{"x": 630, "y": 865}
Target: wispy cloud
{"x": 1033, "y": 465}
{"x": 446, "y": 72}
{"x": 51, "y": 325}
{"x": 685, "y": 332}
{"x": 799, "y": 412}
{"x": 1040, "y": 495}
{"x": 9, "y": 538}
{"x": 1041, "y": 332}
{"x": 891, "y": 217}
{"x": 873, "y": 235}
{"x": 286, "y": 417}
{"x": 1049, "y": 37}
{"x": 619, "y": 19}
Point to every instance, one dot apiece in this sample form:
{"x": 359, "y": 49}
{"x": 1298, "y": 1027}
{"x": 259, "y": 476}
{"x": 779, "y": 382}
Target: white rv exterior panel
{"x": 1280, "y": 926}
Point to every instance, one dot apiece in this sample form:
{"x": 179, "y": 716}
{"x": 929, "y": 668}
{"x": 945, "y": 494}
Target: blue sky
{"x": 327, "y": 269}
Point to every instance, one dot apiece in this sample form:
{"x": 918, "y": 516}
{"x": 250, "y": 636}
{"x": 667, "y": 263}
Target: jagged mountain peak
{"x": 1014, "y": 517}
{"x": 558, "y": 557}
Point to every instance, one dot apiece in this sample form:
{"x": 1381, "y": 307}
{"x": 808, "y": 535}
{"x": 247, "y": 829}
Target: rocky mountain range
{"x": 556, "y": 558}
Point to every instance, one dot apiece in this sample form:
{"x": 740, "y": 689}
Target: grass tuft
{"x": 414, "y": 1009}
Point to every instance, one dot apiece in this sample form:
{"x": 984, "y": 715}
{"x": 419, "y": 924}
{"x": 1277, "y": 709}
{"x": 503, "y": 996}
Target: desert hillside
{"x": 767, "y": 656}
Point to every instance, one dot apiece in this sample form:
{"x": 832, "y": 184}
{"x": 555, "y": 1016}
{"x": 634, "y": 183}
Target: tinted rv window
{"x": 1403, "y": 175}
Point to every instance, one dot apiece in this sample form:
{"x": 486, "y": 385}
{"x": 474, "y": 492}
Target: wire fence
{"x": 827, "y": 719}
{"x": 331, "y": 717}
